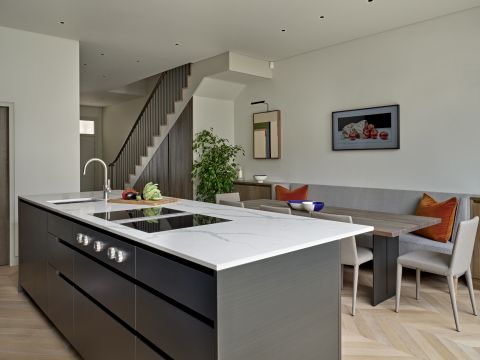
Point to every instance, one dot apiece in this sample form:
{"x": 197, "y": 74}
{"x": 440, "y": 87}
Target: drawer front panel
{"x": 111, "y": 290}
{"x": 175, "y": 332}
{"x": 60, "y": 302}
{"x": 60, "y": 227}
{"x": 60, "y": 256}
{"x": 144, "y": 352}
{"x": 127, "y": 265}
{"x": 190, "y": 287}
{"x": 97, "y": 335}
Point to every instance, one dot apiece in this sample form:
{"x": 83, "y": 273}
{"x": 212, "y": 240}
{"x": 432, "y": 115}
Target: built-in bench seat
{"x": 392, "y": 201}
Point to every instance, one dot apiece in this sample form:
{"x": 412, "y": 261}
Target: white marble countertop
{"x": 251, "y": 235}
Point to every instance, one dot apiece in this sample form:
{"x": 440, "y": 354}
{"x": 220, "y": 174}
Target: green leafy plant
{"x": 215, "y": 169}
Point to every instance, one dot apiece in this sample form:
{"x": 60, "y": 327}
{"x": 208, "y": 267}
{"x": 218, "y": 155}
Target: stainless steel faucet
{"x": 106, "y": 186}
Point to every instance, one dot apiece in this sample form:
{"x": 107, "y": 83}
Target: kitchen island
{"x": 188, "y": 280}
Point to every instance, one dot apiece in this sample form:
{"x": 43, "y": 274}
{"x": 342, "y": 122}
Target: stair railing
{"x": 160, "y": 103}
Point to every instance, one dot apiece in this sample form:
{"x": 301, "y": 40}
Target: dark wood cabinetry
{"x": 97, "y": 335}
{"x": 32, "y": 252}
{"x": 250, "y": 190}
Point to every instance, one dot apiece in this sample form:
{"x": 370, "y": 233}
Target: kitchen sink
{"x": 72, "y": 201}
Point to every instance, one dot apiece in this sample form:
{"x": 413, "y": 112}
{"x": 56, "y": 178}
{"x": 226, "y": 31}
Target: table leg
{"x": 385, "y": 254}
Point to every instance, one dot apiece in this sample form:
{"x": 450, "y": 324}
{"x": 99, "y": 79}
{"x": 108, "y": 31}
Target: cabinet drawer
{"x": 175, "y": 332}
{"x": 60, "y": 302}
{"x": 60, "y": 227}
{"x": 60, "y": 256}
{"x": 190, "y": 287}
{"x": 111, "y": 290}
{"x": 97, "y": 335}
{"x": 127, "y": 266}
{"x": 144, "y": 352}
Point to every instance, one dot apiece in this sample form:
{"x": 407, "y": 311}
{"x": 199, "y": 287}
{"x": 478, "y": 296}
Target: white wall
{"x": 214, "y": 113}
{"x": 431, "y": 69}
{"x": 40, "y": 76}
{"x": 118, "y": 120}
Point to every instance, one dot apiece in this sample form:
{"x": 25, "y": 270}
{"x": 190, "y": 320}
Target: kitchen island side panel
{"x": 285, "y": 307}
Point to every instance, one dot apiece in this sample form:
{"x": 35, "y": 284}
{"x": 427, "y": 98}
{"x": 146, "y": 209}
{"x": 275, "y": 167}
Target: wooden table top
{"x": 385, "y": 224}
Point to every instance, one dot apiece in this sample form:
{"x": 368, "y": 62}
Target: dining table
{"x": 385, "y": 239}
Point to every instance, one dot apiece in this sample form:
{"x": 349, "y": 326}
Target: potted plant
{"x": 214, "y": 169}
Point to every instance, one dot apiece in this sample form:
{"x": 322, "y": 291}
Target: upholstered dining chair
{"x": 451, "y": 266}
{"x": 227, "y": 196}
{"x": 231, "y": 203}
{"x": 350, "y": 253}
{"x": 276, "y": 209}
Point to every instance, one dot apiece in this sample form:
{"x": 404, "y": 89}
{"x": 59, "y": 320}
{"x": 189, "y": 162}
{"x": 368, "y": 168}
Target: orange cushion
{"x": 284, "y": 194}
{"x": 445, "y": 210}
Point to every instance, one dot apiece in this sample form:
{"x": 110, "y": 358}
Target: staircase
{"x": 163, "y": 107}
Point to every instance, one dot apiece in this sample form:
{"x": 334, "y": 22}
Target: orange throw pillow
{"x": 445, "y": 210}
{"x": 284, "y": 194}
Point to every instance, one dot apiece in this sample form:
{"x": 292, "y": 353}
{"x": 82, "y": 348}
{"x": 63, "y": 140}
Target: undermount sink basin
{"x": 72, "y": 201}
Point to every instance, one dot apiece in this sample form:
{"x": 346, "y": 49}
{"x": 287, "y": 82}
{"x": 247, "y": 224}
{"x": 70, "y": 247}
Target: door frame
{"x": 11, "y": 180}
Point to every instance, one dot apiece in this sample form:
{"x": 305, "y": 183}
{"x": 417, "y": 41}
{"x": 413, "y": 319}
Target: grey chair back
{"x": 348, "y": 246}
{"x": 227, "y": 196}
{"x": 276, "y": 209}
{"x": 463, "y": 248}
{"x": 231, "y": 203}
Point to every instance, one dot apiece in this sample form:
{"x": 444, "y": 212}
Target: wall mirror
{"x": 266, "y": 135}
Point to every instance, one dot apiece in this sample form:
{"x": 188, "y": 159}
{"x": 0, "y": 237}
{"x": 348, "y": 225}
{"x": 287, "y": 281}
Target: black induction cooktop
{"x": 136, "y": 213}
{"x": 173, "y": 223}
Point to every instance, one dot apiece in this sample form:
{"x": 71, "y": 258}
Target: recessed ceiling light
{"x": 62, "y": 22}
{"x": 322, "y": 17}
{"x": 370, "y": 0}
{"x": 283, "y": 30}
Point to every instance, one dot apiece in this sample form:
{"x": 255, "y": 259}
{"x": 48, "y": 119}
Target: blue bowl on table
{"x": 313, "y": 205}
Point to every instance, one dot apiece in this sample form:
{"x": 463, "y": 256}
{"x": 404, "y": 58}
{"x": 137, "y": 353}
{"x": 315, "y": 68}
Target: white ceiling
{"x": 127, "y": 31}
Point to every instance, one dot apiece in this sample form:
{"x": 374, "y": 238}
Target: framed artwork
{"x": 266, "y": 135}
{"x": 374, "y": 128}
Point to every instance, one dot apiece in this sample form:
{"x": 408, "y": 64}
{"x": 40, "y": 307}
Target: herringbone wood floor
{"x": 423, "y": 329}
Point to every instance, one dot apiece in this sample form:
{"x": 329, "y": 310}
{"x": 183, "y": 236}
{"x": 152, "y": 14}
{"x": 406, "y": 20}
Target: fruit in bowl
{"x": 295, "y": 204}
{"x": 313, "y": 205}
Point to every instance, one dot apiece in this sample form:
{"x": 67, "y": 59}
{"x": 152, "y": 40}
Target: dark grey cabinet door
{"x": 60, "y": 303}
{"x": 144, "y": 352}
{"x": 32, "y": 252}
{"x": 97, "y": 335}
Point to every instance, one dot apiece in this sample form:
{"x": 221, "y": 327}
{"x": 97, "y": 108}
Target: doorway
{"x": 4, "y": 188}
{"x": 90, "y": 147}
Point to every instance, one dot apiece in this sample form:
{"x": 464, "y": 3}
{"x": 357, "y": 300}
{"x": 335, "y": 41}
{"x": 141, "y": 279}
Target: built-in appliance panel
{"x": 116, "y": 253}
{"x": 111, "y": 290}
{"x": 172, "y": 330}
{"x": 189, "y": 286}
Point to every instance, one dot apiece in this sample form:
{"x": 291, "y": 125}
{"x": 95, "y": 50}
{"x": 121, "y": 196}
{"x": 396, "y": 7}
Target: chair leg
{"x": 417, "y": 295}
{"x": 399, "y": 287}
{"x": 355, "y": 285}
{"x": 468, "y": 276}
{"x": 453, "y": 298}
{"x": 341, "y": 276}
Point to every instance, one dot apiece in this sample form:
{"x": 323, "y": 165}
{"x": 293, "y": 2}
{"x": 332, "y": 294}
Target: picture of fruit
{"x": 384, "y": 135}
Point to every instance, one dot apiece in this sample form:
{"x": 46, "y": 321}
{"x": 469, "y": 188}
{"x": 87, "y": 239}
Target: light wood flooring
{"x": 423, "y": 329}
{"x": 24, "y": 332}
